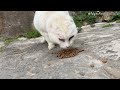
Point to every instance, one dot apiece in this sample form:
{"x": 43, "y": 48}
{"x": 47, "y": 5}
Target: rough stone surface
{"x": 13, "y": 23}
{"x": 29, "y": 59}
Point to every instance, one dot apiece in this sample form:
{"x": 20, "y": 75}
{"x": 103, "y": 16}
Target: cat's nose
{"x": 67, "y": 46}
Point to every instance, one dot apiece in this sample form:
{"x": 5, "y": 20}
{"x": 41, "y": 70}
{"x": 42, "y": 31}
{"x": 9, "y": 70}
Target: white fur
{"x": 54, "y": 25}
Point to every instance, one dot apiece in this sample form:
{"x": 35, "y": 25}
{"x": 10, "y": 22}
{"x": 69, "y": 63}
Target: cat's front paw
{"x": 51, "y": 46}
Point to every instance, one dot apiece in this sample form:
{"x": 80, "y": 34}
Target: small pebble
{"x": 104, "y": 61}
{"x": 82, "y": 73}
{"x": 92, "y": 65}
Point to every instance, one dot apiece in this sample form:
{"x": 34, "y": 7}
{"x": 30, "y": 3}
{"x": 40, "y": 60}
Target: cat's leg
{"x": 50, "y": 44}
{"x": 41, "y": 38}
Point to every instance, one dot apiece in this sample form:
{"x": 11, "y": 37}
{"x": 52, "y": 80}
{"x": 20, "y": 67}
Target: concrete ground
{"x": 29, "y": 59}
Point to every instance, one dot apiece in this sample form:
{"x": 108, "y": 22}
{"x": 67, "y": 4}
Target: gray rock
{"x": 14, "y": 23}
{"x": 30, "y": 59}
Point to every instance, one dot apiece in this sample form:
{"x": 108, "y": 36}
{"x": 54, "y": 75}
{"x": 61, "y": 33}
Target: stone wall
{"x": 14, "y": 23}
{"x": 1, "y": 22}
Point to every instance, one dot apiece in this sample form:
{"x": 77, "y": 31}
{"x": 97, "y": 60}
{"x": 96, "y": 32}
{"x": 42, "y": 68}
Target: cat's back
{"x": 41, "y": 17}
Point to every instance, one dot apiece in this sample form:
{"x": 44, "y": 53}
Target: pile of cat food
{"x": 67, "y": 53}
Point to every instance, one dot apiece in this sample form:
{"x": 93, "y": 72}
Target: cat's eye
{"x": 71, "y": 38}
{"x": 63, "y": 40}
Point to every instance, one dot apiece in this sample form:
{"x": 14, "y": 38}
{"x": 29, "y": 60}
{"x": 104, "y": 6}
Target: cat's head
{"x": 63, "y": 32}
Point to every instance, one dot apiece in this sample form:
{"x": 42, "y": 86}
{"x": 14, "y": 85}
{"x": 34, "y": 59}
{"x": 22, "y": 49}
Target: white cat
{"x": 56, "y": 27}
